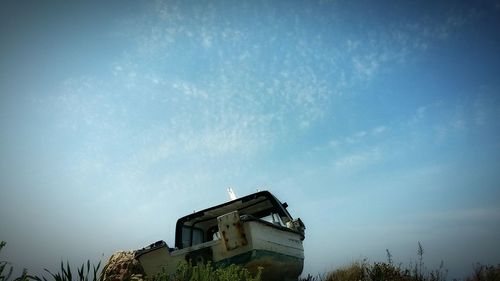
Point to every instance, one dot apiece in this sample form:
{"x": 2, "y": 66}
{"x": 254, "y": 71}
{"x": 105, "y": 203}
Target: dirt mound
{"x": 122, "y": 266}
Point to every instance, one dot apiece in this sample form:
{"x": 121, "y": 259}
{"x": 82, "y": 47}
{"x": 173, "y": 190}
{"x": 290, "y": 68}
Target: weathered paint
{"x": 231, "y": 230}
{"x": 275, "y": 266}
{"x": 246, "y": 240}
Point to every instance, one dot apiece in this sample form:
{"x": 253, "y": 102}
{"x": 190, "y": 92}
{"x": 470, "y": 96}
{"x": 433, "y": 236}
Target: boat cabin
{"x": 202, "y": 226}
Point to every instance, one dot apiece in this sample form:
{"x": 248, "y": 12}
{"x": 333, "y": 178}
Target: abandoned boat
{"x": 252, "y": 231}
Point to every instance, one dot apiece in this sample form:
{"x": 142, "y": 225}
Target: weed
{"x": 3, "y": 266}
{"x": 357, "y": 271}
{"x": 66, "y": 275}
{"x": 485, "y": 273}
{"x": 387, "y": 271}
{"x": 206, "y": 272}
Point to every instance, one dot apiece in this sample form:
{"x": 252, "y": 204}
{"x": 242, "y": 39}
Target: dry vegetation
{"x": 357, "y": 271}
{"x": 388, "y": 271}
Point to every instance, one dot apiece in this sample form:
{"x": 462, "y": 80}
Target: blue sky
{"x": 376, "y": 121}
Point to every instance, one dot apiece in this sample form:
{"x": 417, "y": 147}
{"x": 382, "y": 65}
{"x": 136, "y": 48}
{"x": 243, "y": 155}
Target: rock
{"x": 122, "y": 266}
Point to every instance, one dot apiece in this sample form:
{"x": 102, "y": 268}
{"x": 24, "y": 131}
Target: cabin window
{"x": 213, "y": 233}
{"x": 191, "y": 236}
{"x": 273, "y": 218}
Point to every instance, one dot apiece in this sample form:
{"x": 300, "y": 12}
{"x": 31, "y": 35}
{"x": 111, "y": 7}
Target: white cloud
{"x": 207, "y": 39}
{"x": 358, "y": 159}
{"x": 220, "y": 141}
{"x": 360, "y": 134}
{"x": 366, "y": 67}
{"x": 363, "y": 136}
{"x": 458, "y": 123}
{"x": 444, "y": 120}
{"x": 419, "y": 114}
{"x": 297, "y": 93}
{"x": 334, "y": 143}
{"x": 234, "y": 108}
{"x": 189, "y": 89}
{"x": 378, "y": 130}
{"x": 479, "y": 112}
{"x": 440, "y": 134}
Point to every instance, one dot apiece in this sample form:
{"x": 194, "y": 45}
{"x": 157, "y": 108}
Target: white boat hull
{"x": 249, "y": 231}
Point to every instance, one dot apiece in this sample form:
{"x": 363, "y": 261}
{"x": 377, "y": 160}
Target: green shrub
{"x": 184, "y": 272}
{"x": 187, "y": 272}
{"x": 386, "y": 271}
{"x": 357, "y": 271}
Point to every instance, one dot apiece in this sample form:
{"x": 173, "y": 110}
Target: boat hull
{"x": 255, "y": 231}
{"x": 273, "y": 266}
{"x": 277, "y": 251}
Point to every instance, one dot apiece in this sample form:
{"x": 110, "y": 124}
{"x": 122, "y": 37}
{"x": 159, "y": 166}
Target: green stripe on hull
{"x": 275, "y": 266}
{"x": 255, "y": 255}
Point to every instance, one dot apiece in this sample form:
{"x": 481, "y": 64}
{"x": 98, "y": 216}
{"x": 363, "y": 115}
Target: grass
{"x": 388, "y": 271}
{"x": 357, "y": 271}
{"x": 381, "y": 271}
{"x": 83, "y": 273}
{"x": 188, "y": 272}
{"x": 185, "y": 272}
{"x": 485, "y": 273}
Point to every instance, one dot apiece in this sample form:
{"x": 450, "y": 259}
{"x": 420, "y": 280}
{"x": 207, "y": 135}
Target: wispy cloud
{"x": 365, "y": 68}
{"x": 479, "y": 112}
{"x": 443, "y": 120}
{"x": 378, "y": 130}
{"x": 194, "y": 88}
{"x": 419, "y": 114}
{"x": 358, "y": 137}
{"x": 357, "y": 160}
